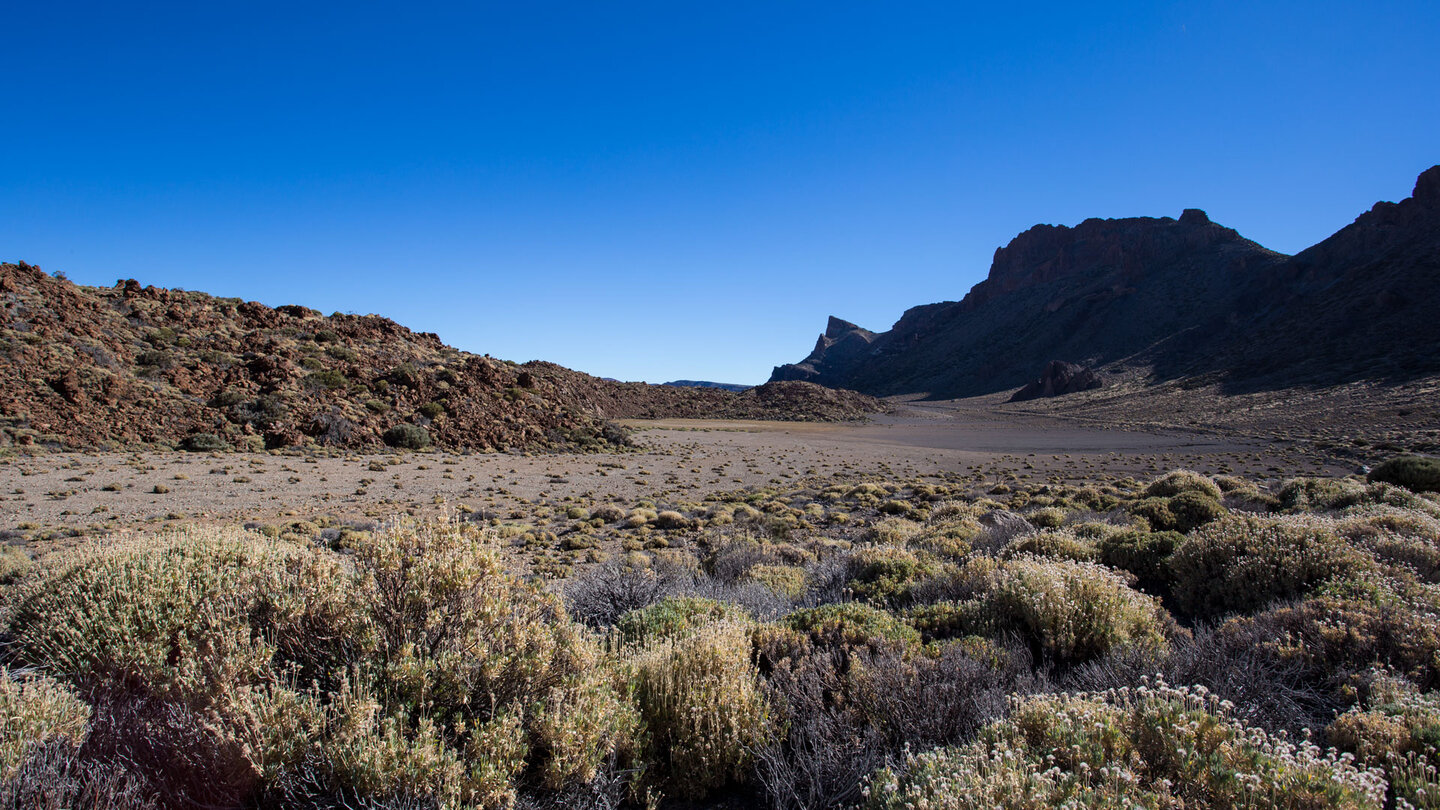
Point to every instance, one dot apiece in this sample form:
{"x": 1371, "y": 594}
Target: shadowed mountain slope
{"x": 1178, "y": 298}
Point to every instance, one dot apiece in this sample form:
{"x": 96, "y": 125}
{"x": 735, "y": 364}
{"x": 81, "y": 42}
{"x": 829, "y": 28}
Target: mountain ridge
{"x": 1176, "y": 296}
{"x": 132, "y": 365}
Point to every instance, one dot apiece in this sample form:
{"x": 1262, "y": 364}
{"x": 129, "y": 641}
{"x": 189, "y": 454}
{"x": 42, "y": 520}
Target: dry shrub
{"x": 603, "y": 593}
{"x": 1069, "y": 611}
{"x": 892, "y": 531}
{"x": 843, "y": 713}
{"x": 1060, "y": 544}
{"x": 236, "y": 665}
{"x": 34, "y": 711}
{"x": 55, "y": 776}
{"x": 1180, "y": 481}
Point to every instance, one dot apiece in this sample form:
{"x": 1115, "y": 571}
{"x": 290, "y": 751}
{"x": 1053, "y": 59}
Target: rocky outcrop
{"x": 1058, "y": 378}
{"x": 1098, "y": 292}
{"x": 129, "y": 366}
{"x": 1175, "y": 298}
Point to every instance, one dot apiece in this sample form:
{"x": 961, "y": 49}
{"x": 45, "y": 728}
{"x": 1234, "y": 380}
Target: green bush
{"x": 786, "y": 580}
{"x": 1242, "y": 563}
{"x": 851, "y": 624}
{"x": 702, "y": 705}
{"x": 1181, "y": 513}
{"x": 204, "y": 443}
{"x": 432, "y": 410}
{"x": 1144, "y": 554}
{"x": 675, "y": 617}
{"x": 329, "y": 380}
{"x": 883, "y": 576}
{"x": 1415, "y": 473}
{"x": 1150, "y": 747}
{"x": 408, "y": 437}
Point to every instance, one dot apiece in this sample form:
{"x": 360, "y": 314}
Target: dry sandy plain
{"x": 52, "y": 499}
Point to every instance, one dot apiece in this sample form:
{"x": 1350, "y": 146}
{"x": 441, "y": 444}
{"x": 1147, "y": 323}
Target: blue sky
{"x": 664, "y": 190}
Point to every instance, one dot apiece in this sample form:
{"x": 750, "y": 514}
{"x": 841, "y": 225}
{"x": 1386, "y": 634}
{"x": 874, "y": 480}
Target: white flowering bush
{"x": 1146, "y": 747}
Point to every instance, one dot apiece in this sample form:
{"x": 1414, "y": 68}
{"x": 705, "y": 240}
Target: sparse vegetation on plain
{"x": 937, "y": 648}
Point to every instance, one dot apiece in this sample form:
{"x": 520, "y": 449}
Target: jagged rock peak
{"x": 836, "y": 327}
{"x": 1194, "y": 216}
{"x": 1427, "y": 186}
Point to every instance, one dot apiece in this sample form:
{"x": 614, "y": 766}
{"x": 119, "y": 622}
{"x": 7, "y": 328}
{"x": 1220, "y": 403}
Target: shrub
{"x": 1179, "y": 481}
{"x": 432, "y": 410}
{"x": 892, "y": 531}
{"x": 1242, "y": 563}
{"x": 786, "y": 580}
{"x": 1059, "y": 544}
{"x": 670, "y": 519}
{"x": 851, "y": 624}
{"x": 1182, "y": 513}
{"x": 948, "y": 538}
{"x": 419, "y": 669}
{"x": 1069, "y": 611}
{"x": 1397, "y": 729}
{"x": 204, "y": 443}
{"x": 883, "y": 576}
{"x": 14, "y": 562}
{"x": 1048, "y": 517}
{"x": 328, "y": 379}
{"x": 407, "y": 436}
{"x": 1193, "y": 510}
{"x": 1302, "y": 494}
{"x": 1415, "y": 473}
{"x": 702, "y": 705}
{"x": 1145, "y": 747}
{"x": 1334, "y": 635}
{"x": 1144, "y": 554}
{"x": 675, "y": 617}
{"x": 35, "y": 711}
{"x": 607, "y": 512}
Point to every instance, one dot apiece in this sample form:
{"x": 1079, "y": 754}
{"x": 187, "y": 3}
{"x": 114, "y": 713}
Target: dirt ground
{"x": 48, "y": 499}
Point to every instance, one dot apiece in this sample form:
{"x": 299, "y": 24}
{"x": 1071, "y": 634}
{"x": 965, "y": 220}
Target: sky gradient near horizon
{"x": 673, "y": 190}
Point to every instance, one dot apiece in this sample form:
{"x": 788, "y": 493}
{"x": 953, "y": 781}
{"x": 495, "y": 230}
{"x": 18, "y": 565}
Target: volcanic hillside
{"x": 129, "y": 366}
{"x": 1176, "y": 299}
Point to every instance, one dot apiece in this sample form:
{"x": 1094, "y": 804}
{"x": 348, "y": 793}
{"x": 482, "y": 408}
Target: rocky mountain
{"x": 129, "y": 366}
{"x": 736, "y": 387}
{"x": 1176, "y": 297}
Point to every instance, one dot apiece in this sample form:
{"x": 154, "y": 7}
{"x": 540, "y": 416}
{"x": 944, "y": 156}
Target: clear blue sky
{"x": 674, "y": 189}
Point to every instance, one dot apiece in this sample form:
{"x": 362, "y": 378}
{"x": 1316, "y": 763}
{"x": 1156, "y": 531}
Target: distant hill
{"x": 736, "y": 387}
{"x": 128, "y": 366}
{"x": 1177, "y": 298}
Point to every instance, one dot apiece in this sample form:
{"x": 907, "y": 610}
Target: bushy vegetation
{"x": 930, "y": 649}
{"x": 1415, "y": 473}
{"x": 1151, "y": 746}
